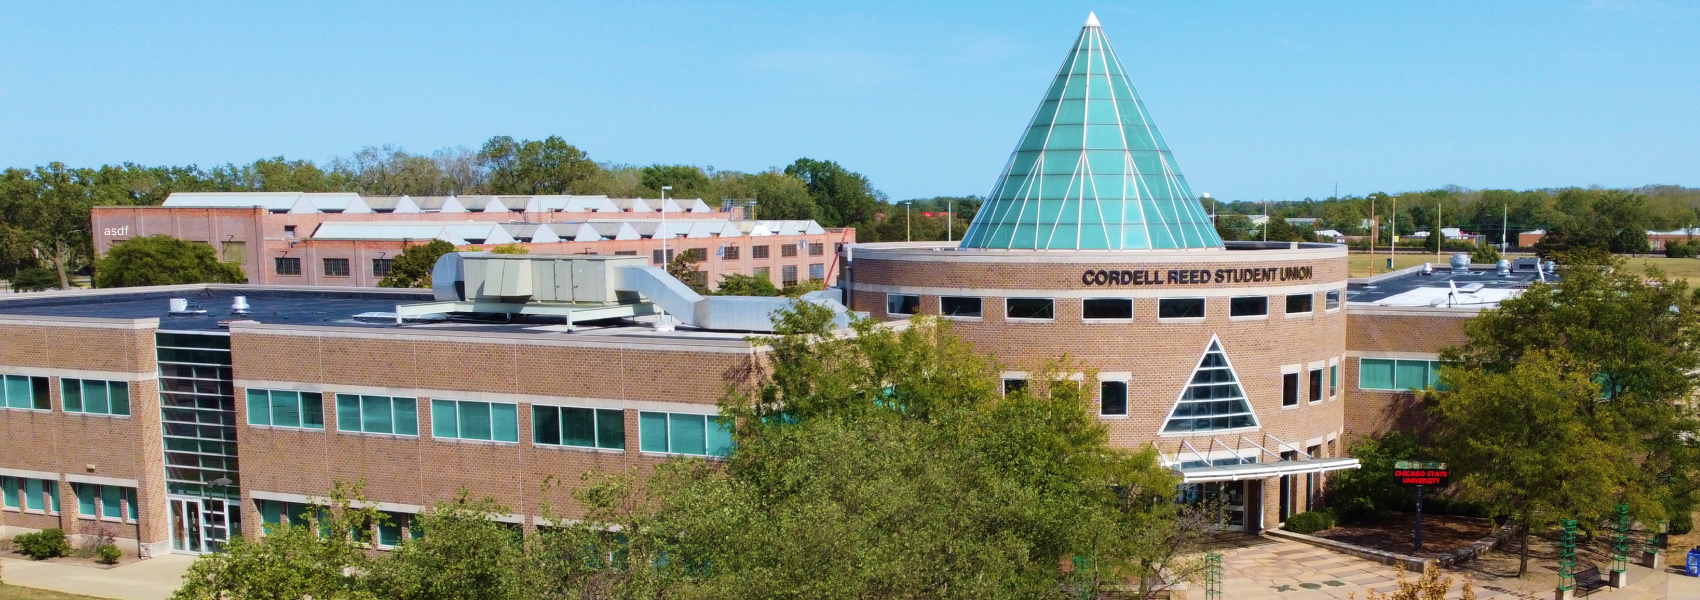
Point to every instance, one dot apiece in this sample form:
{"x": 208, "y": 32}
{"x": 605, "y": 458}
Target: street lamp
{"x": 666, "y": 234}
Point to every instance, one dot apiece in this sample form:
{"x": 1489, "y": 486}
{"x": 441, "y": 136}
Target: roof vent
{"x": 239, "y": 305}
{"x": 181, "y": 306}
{"x": 1428, "y": 268}
{"x": 1460, "y": 261}
{"x": 1504, "y": 268}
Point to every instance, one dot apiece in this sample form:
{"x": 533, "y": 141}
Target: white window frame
{"x": 1338, "y": 305}
{"x": 1262, "y": 317}
{"x": 1126, "y": 378}
{"x": 1131, "y": 314}
{"x": 1298, "y": 370}
{"x": 982, "y": 316}
{"x": 1201, "y": 299}
{"x": 1298, "y": 315}
{"x": 1010, "y": 319}
{"x": 917, "y": 305}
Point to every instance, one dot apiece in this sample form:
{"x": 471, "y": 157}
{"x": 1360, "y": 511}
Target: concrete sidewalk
{"x": 152, "y": 579}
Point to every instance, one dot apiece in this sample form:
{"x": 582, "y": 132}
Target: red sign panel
{"x": 1420, "y": 476}
{"x": 926, "y": 213}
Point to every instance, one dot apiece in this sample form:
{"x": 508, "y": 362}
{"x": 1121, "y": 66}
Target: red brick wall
{"x": 1404, "y": 332}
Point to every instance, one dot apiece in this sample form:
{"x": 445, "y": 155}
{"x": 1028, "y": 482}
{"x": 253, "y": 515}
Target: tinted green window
{"x": 377, "y": 414}
{"x": 1410, "y": 374}
{"x": 470, "y": 420}
{"x": 280, "y": 408}
{"x": 1030, "y": 308}
{"x": 270, "y": 512}
{"x": 652, "y": 432}
{"x": 71, "y": 395}
{"x": 1375, "y": 374}
{"x": 86, "y": 498}
{"x": 685, "y": 434}
{"x": 611, "y": 429}
{"x": 578, "y": 427}
{"x": 94, "y": 396}
{"x": 389, "y": 531}
{"x": 376, "y": 417}
{"x": 33, "y": 494}
{"x": 474, "y": 420}
{"x": 406, "y": 411}
{"x": 504, "y": 421}
{"x": 443, "y": 421}
{"x": 347, "y": 412}
{"x": 259, "y": 408}
{"x": 545, "y": 424}
{"x": 719, "y": 439}
{"x": 286, "y": 409}
{"x": 111, "y": 501}
{"x": 25, "y": 392}
{"x": 9, "y": 487}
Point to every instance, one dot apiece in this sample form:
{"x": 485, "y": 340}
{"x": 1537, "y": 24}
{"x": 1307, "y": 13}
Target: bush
{"x": 44, "y": 544}
{"x": 1681, "y": 523}
{"x": 1309, "y": 522}
{"x": 1678, "y": 249}
{"x": 1485, "y": 254}
{"x": 35, "y": 279}
{"x": 109, "y": 554}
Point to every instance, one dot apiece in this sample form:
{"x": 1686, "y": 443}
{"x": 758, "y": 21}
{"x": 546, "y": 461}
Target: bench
{"x": 1589, "y": 580}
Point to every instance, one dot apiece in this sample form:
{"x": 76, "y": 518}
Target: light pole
{"x": 906, "y": 207}
{"x": 950, "y": 222}
{"x": 665, "y": 234}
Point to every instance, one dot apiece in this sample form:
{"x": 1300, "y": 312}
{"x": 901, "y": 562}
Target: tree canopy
{"x": 412, "y": 268}
{"x": 163, "y": 260}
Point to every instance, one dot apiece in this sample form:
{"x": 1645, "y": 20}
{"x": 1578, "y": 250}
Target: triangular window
{"x": 1213, "y": 399}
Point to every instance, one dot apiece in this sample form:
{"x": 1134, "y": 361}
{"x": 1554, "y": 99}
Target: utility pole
{"x": 1439, "y": 242}
{"x": 906, "y": 206}
{"x": 1504, "y": 226}
{"x": 950, "y": 222}
{"x": 1265, "y": 219}
{"x": 1374, "y": 230}
{"x": 1393, "y": 235}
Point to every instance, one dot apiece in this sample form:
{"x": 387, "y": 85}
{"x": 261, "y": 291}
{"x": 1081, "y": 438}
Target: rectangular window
{"x": 1398, "y": 375}
{"x": 1030, "y": 308}
{"x": 31, "y": 494}
{"x": 758, "y": 252}
{"x": 468, "y": 420}
{"x": 94, "y": 397}
{"x": 1375, "y": 374}
{"x": 1331, "y": 299}
{"x": 581, "y": 427}
{"x": 287, "y": 266}
{"x": 675, "y": 433}
{"x": 655, "y": 257}
{"x": 1106, "y": 308}
{"x": 1180, "y": 308}
{"x": 389, "y": 530}
{"x": 1316, "y": 385}
{"x": 817, "y": 249}
{"x": 377, "y": 414}
{"x": 696, "y": 254}
{"x": 1299, "y": 303}
{"x": 234, "y": 252}
{"x": 788, "y": 275}
{"x": 1013, "y": 385}
{"x": 1248, "y": 306}
{"x": 1112, "y": 398}
{"x": 787, "y": 250}
{"x": 105, "y": 502}
{"x": 902, "y": 304}
{"x": 1290, "y": 389}
{"x": 25, "y": 393}
{"x": 1411, "y": 374}
{"x": 817, "y": 271}
{"x": 381, "y": 266}
{"x": 288, "y": 230}
{"x": 282, "y": 408}
{"x": 762, "y": 272}
{"x": 1333, "y": 380}
{"x": 730, "y": 252}
{"x": 336, "y": 267}
{"x": 959, "y": 306}
{"x": 625, "y": 253}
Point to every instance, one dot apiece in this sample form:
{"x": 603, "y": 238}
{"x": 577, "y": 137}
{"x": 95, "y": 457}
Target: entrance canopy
{"x": 1264, "y": 470}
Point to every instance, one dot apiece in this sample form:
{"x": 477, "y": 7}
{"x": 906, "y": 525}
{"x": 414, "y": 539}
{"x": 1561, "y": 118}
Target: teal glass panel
{"x": 375, "y": 415}
{"x": 443, "y": 421}
{"x": 18, "y": 393}
{"x": 406, "y": 411}
{"x": 719, "y": 438}
{"x": 347, "y": 412}
{"x": 686, "y": 434}
{"x": 652, "y": 432}
{"x": 71, "y": 394}
{"x": 1375, "y": 374}
{"x": 504, "y": 422}
{"x": 1410, "y": 374}
{"x": 313, "y": 410}
{"x": 611, "y": 429}
{"x": 52, "y": 494}
{"x": 111, "y": 502}
{"x": 259, "y": 408}
{"x": 578, "y": 427}
{"x": 94, "y": 397}
{"x": 9, "y": 486}
{"x": 286, "y": 409}
{"x": 87, "y": 496}
{"x": 474, "y": 420}
{"x": 389, "y": 531}
{"x": 271, "y": 511}
{"x": 33, "y": 494}
{"x": 545, "y": 425}
{"x": 118, "y": 393}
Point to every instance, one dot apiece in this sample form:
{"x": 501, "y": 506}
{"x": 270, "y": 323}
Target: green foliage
{"x": 1682, "y": 249}
{"x": 1485, "y": 253}
{"x": 777, "y": 196}
{"x": 163, "y": 260}
{"x": 1234, "y": 228}
{"x": 1602, "y": 220}
{"x": 1309, "y": 522}
{"x": 844, "y": 198}
{"x": 108, "y": 554}
{"x": 509, "y": 249}
{"x": 1281, "y": 231}
{"x": 292, "y": 561}
{"x": 463, "y": 555}
{"x": 734, "y": 284}
{"x": 412, "y": 268}
{"x": 1369, "y": 492}
{"x": 687, "y": 181}
{"x": 1681, "y": 522}
{"x": 42, "y": 545}
{"x": 549, "y": 166}
{"x": 35, "y": 279}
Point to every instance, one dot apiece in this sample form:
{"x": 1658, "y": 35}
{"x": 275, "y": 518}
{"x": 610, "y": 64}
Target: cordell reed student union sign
{"x": 1194, "y": 276}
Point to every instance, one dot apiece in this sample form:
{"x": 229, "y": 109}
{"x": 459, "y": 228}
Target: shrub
{"x": 109, "y": 554}
{"x": 1309, "y": 522}
{"x": 1485, "y": 254}
{"x": 1680, "y": 249}
{"x": 44, "y": 544}
{"x": 1681, "y": 523}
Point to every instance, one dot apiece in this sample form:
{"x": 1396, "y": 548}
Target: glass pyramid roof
{"x": 1212, "y": 400}
{"x": 1091, "y": 171}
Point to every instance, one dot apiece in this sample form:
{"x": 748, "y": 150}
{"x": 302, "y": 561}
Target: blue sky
{"x": 1257, "y": 99}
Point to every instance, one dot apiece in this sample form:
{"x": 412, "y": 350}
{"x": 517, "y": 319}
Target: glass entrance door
{"x": 200, "y": 525}
{"x": 1230, "y": 495}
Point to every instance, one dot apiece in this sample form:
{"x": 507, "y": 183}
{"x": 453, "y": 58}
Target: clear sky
{"x": 1257, "y": 99}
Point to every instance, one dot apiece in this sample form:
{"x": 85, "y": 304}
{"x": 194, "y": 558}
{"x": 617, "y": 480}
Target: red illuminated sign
{"x": 1419, "y": 473}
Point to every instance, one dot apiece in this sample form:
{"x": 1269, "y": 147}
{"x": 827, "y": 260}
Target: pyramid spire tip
{"x": 1092, "y": 19}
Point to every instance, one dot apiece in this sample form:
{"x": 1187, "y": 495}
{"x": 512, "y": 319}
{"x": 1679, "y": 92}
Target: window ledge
{"x": 1107, "y": 321}
{"x": 673, "y": 454}
{"x": 1232, "y": 319}
{"x": 1293, "y": 406}
{"x": 904, "y": 315}
{"x": 1028, "y": 320}
{"x": 467, "y": 441}
{"x": 956, "y": 318}
{"x": 400, "y": 436}
{"x": 1181, "y": 320}
{"x": 1297, "y": 315}
{"x": 565, "y": 447}
{"x": 102, "y": 415}
{"x": 286, "y": 427}
{"x": 1205, "y": 432}
{"x": 37, "y": 410}
{"x": 1103, "y": 417}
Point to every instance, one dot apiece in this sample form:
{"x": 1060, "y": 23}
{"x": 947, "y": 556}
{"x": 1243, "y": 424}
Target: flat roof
{"x": 1479, "y": 287}
{"x": 362, "y": 308}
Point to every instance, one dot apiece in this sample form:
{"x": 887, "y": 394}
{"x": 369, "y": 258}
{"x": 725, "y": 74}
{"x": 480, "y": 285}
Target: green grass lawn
{"x": 16, "y": 592}
{"x": 1358, "y": 265}
{"x": 1676, "y": 268}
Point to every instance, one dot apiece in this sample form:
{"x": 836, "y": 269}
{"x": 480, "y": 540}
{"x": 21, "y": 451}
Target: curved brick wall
{"x": 1158, "y": 357}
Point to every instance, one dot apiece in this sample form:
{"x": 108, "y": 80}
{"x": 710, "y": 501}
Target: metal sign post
{"x": 1419, "y": 473}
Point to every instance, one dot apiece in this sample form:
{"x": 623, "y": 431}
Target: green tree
{"x": 683, "y": 267}
{"x": 687, "y": 181}
{"x": 845, "y": 198}
{"x": 779, "y": 196}
{"x": 510, "y": 249}
{"x": 1234, "y": 227}
{"x": 412, "y": 268}
{"x": 1485, "y": 253}
{"x": 292, "y": 561}
{"x": 163, "y": 260}
{"x": 463, "y": 555}
{"x": 1281, "y": 231}
{"x": 735, "y": 284}
{"x": 47, "y": 211}
{"x": 35, "y": 279}
{"x": 1369, "y": 492}
{"x": 549, "y": 166}
{"x": 1524, "y": 443}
